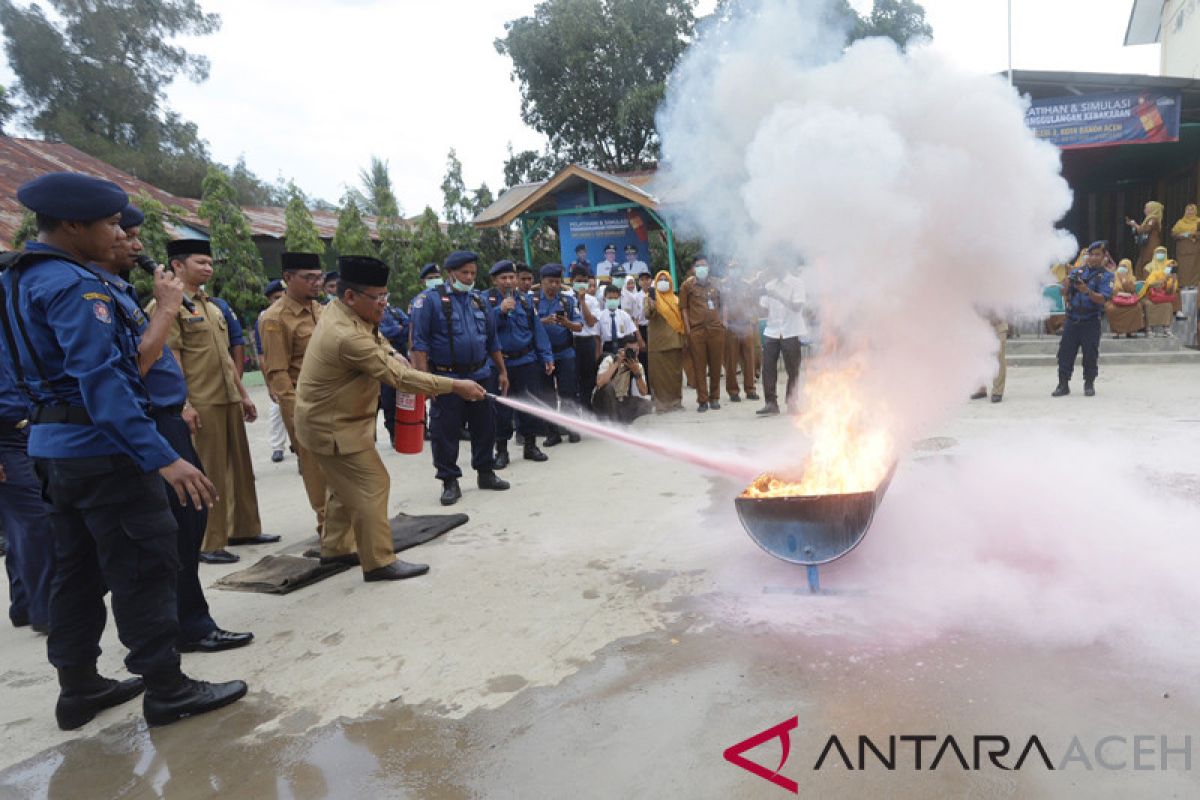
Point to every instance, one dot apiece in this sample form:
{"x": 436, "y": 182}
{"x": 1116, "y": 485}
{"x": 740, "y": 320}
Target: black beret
{"x": 523, "y": 267}
{"x": 363, "y": 270}
{"x": 501, "y": 267}
{"x": 579, "y": 247}
{"x": 179, "y": 248}
{"x": 460, "y": 258}
{"x": 273, "y": 287}
{"x": 552, "y": 271}
{"x": 580, "y": 272}
{"x": 608, "y": 247}
{"x": 429, "y": 269}
{"x": 72, "y": 197}
{"x": 298, "y": 261}
{"x": 132, "y": 217}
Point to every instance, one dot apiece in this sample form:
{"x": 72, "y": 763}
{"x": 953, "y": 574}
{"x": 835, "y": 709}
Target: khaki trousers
{"x": 740, "y": 351}
{"x": 225, "y": 453}
{"x": 356, "y": 508}
{"x": 310, "y": 468}
{"x": 1002, "y": 374}
{"x": 707, "y": 347}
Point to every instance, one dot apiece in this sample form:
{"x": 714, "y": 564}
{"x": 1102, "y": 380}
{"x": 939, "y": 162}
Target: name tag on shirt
{"x": 711, "y": 307}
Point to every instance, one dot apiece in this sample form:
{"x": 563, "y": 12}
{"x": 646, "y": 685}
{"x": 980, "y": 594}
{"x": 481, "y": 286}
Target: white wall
{"x": 1181, "y": 38}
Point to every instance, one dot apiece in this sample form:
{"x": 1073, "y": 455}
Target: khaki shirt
{"x": 701, "y": 303}
{"x": 337, "y": 395}
{"x": 201, "y": 342}
{"x": 285, "y": 329}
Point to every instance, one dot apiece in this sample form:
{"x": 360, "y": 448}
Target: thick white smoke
{"x": 913, "y": 192}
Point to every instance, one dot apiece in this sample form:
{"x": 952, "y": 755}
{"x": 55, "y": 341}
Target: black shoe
{"x": 189, "y": 698}
{"x": 450, "y": 492}
{"x": 1089, "y": 389}
{"x": 1061, "y": 390}
{"x": 216, "y": 641}
{"x": 276, "y": 456}
{"x": 751, "y": 396}
{"x": 501, "y": 455}
{"x": 519, "y": 439}
{"x": 350, "y": 559}
{"x": 714, "y": 405}
{"x": 532, "y": 453}
{"x": 488, "y": 480}
{"x": 700, "y": 409}
{"x": 552, "y": 440}
{"x": 769, "y": 409}
{"x": 734, "y": 398}
{"x": 982, "y": 393}
{"x": 219, "y": 557}
{"x": 574, "y": 438}
{"x": 464, "y": 435}
{"x": 996, "y": 398}
{"x": 262, "y": 538}
{"x": 39, "y": 628}
{"x": 396, "y": 571}
{"x": 77, "y": 708}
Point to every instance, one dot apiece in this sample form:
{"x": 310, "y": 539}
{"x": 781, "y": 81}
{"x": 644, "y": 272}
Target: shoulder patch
{"x": 418, "y": 301}
{"x": 101, "y": 312}
{"x": 97, "y": 296}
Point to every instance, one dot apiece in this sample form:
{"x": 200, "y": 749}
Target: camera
{"x": 630, "y": 355}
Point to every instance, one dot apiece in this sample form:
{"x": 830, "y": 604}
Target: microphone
{"x": 147, "y": 263}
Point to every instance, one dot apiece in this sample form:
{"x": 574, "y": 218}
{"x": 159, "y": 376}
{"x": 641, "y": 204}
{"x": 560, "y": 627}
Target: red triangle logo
{"x": 782, "y": 732}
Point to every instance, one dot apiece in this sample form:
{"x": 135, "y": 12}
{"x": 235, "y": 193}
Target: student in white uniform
{"x": 634, "y": 266}
{"x": 784, "y": 299}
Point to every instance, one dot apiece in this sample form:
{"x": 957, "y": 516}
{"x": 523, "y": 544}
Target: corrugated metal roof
{"x": 538, "y": 196}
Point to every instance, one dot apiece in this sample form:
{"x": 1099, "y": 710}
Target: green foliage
{"x": 530, "y": 166}
{"x": 426, "y": 243}
{"x": 352, "y": 237}
{"x": 94, "y": 74}
{"x": 252, "y": 191}
{"x": 26, "y": 231}
{"x": 592, "y": 73}
{"x": 375, "y": 195}
{"x": 302, "y": 235}
{"x": 154, "y": 236}
{"x": 457, "y": 205}
{"x": 902, "y": 21}
{"x": 7, "y": 109}
{"x": 238, "y": 276}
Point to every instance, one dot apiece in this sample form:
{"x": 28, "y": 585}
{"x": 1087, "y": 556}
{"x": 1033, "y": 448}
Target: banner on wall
{"x": 597, "y": 230}
{"x": 1099, "y": 120}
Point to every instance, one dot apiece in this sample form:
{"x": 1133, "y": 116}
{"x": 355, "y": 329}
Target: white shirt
{"x": 636, "y": 267}
{"x": 634, "y": 304}
{"x": 597, "y": 310}
{"x": 633, "y": 387}
{"x": 604, "y": 268}
{"x": 784, "y": 322}
{"x": 625, "y": 326}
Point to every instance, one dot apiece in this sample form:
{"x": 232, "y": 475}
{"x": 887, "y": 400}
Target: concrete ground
{"x": 606, "y": 629}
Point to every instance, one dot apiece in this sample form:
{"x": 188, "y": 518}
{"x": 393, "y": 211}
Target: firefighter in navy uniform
{"x": 1086, "y": 291}
{"x": 559, "y": 313}
{"x": 100, "y": 458}
{"x": 527, "y": 356}
{"x": 454, "y": 336}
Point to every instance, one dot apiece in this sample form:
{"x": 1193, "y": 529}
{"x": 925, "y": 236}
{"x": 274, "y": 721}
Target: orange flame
{"x": 852, "y": 448}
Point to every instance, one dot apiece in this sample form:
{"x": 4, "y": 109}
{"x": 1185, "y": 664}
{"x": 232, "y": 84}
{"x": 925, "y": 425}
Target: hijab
{"x": 1154, "y": 210}
{"x": 1187, "y": 224}
{"x": 667, "y": 303}
{"x": 1157, "y": 272}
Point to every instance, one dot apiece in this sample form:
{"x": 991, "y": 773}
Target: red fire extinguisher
{"x": 410, "y": 423}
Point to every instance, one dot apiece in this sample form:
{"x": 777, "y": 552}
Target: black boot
{"x": 1062, "y": 389}
{"x": 172, "y": 699}
{"x": 1089, "y": 389}
{"x": 85, "y": 694}
{"x": 488, "y": 480}
{"x": 450, "y": 492}
{"x": 501, "y": 455}
{"x": 554, "y": 438}
{"x": 532, "y": 453}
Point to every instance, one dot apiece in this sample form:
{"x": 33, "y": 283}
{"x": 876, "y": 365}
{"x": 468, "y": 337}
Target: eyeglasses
{"x": 376, "y": 298}
{"x": 308, "y": 278}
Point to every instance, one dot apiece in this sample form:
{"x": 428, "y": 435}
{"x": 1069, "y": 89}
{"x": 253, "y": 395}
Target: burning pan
{"x": 811, "y": 530}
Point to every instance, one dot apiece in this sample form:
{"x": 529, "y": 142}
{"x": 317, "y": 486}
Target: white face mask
{"x": 1122, "y": 270}
{"x": 1160, "y": 256}
{"x": 611, "y": 304}
{"x": 663, "y": 286}
{"x": 701, "y": 273}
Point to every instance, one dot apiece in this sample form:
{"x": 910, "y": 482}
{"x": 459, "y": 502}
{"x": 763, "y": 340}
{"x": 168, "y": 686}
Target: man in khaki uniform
{"x": 286, "y": 329}
{"x": 700, "y": 303}
{"x": 337, "y": 401}
{"x": 200, "y": 339}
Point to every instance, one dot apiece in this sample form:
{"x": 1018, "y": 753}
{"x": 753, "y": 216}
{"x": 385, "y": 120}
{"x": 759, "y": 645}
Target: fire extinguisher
{"x": 410, "y": 423}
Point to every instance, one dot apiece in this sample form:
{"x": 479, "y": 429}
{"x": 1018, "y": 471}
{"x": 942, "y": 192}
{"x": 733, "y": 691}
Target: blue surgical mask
{"x": 433, "y": 283}
{"x": 1123, "y": 270}
{"x": 611, "y": 304}
{"x": 1160, "y": 256}
{"x": 580, "y": 286}
{"x": 701, "y": 273}
{"x": 459, "y": 286}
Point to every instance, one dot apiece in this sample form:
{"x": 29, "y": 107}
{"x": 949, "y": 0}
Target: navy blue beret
{"x": 460, "y": 258}
{"x": 72, "y": 197}
{"x": 501, "y": 267}
{"x": 1097, "y": 245}
{"x": 273, "y": 287}
{"x": 188, "y": 247}
{"x": 298, "y": 261}
{"x": 429, "y": 270}
{"x": 552, "y": 271}
{"x": 132, "y": 217}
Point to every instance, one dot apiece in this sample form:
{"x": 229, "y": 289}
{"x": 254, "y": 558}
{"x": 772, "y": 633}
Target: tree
{"x": 375, "y": 195}
{"x": 426, "y": 243}
{"x": 154, "y": 237}
{"x": 7, "y": 109}
{"x": 457, "y": 205}
{"x": 253, "y": 191}
{"x": 95, "y": 74}
{"x": 902, "y": 21}
{"x": 530, "y": 166}
{"x": 238, "y": 276}
{"x": 592, "y": 73}
{"x": 352, "y": 237}
{"x": 26, "y": 232}
{"x": 302, "y": 235}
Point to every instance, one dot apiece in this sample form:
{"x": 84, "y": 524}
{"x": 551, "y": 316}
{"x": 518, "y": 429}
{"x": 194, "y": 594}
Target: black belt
{"x": 519, "y": 353}
{"x": 59, "y": 415}
{"x": 10, "y": 425}
{"x": 459, "y": 367}
{"x": 166, "y": 411}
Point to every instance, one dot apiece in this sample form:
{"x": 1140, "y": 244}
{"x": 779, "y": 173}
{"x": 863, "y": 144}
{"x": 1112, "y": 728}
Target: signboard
{"x": 1100, "y": 120}
{"x": 595, "y": 230}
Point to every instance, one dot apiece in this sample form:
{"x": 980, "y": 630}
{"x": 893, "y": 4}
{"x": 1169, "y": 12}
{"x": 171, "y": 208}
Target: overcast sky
{"x": 310, "y": 89}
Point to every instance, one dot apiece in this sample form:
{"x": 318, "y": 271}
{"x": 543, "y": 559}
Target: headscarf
{"x": 1157, "y": 273}
{"x": 1187, "y": 224}
{"x": 667, "y": 303}
{"x": 1154, "y": 209}
{"x": 1125, "y": 282}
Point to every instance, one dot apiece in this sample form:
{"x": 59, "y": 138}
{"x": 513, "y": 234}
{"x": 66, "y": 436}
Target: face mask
{"x": 612, "y": 305}
{"x": 433, "y": 283}
{"x": 459, "y": 286}
{"x": 663, "y": 286}
{"x": 580, "y": 286}
{"x": 1168, "y": 270}
{"x": 701, "y": 273}
{"x": 1160, "y": 256}
{"x": 1122, "y": 270}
